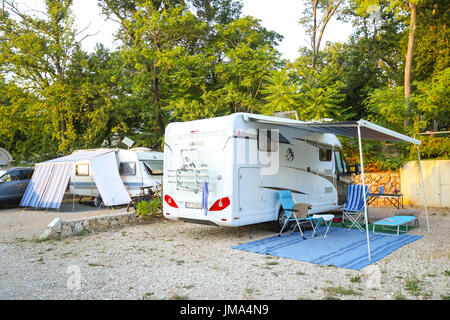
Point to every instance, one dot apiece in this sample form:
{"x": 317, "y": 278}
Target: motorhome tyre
{"x": 278, "y": 224}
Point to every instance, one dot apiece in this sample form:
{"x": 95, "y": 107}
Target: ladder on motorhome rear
{"x": 190, "y": 179}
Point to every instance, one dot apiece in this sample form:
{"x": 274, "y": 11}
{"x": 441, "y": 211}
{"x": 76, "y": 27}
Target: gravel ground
{"x": 174, "y": 260}
{"x": 28, "y": 224}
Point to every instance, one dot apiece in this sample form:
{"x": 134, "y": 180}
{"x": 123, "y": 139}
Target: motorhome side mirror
{"x": 357, "y": 169}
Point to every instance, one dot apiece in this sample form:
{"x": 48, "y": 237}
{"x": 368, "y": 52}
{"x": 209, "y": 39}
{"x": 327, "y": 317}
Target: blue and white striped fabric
{"x": 355, "y": 198}
{"x": 341, "y": 248}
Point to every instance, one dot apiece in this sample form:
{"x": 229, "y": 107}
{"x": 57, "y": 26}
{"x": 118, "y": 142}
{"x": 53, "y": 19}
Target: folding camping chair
{"x": 294, "y": 212}
{"x": 354, "y": 207}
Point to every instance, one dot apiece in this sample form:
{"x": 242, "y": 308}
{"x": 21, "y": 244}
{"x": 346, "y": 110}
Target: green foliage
{"x": 435, "y": 147}
{"x": 280, "y": 92}
{"x": 149, "y": 208}
{"x": 181, "y": 60}
{"x": 378, "y": 155}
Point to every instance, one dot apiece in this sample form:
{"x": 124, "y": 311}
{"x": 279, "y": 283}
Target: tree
{"x": 158, "y": 37}
{"x": 315, "y": 18}
{"x": 280, "y": 92}
{"x": 369, "y": 60}
{"x": 36, "y": 52}
{"x": 400, "y": 8}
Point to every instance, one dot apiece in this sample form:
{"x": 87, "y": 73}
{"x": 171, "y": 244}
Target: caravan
{"x": 228, "y": 170}
{"x": 138, "y": 167}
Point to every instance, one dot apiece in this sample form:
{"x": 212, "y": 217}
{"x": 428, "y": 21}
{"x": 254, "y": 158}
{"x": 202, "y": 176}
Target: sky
{"x": 277, "y": 15}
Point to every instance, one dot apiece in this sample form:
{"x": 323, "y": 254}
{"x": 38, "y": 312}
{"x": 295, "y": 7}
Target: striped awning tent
{"x": 50, "y": 179}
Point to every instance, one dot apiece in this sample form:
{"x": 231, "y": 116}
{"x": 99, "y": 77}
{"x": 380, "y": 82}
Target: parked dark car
{"x": 13, "y": 183}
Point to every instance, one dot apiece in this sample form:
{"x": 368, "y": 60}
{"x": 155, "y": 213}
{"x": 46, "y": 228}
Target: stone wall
{"x": 59, "y": 228}
{"x": 389, "y": 180}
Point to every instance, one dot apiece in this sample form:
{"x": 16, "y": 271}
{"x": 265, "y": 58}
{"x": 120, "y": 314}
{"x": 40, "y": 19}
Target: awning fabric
{"x": 108, "y": 180}
{"x": 50, "y": 178}
{"x": 349, "y": 128}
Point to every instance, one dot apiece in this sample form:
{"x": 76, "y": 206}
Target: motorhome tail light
{"x": 170, "y": 201}
{"x": 220, "y": 204}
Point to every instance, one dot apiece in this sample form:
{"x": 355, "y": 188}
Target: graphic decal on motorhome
{"x": 317, "y": 173}
{"x": 289, "y": 155}
{"x": 278, "y": 189}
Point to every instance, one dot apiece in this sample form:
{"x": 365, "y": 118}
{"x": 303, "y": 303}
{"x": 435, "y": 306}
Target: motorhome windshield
{"x": 153, "y": 167}
{"x": 341, "y": 163}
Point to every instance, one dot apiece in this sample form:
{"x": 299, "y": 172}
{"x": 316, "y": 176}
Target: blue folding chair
{"x": 291, "y": 214}
{"x": 354, "y": 207}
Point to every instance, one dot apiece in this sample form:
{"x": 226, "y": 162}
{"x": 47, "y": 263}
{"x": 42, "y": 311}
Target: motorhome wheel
{"x": 279, "y": 223}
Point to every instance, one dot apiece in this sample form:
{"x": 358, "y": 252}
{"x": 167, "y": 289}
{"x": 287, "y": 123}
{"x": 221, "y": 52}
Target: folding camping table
{"x": 396, "y": 199}
{"x": 396, "y": 221}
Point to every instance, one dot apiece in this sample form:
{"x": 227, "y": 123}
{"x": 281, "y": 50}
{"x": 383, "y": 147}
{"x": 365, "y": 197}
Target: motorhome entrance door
{"x": 250, "y": 193}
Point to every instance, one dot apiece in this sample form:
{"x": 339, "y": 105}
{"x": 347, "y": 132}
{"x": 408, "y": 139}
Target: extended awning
{"x": 368, "y": 130}
{"x": 50, "y": 178}
{"x": 361, "y": 129}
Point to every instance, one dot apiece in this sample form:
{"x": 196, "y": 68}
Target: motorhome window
{"x": 127, "y": 168}
{"x": 153, "y": 167}
{"x": 324, "y": 154}
{"x": 82, "y": 169}
{"x": 339, "y": 163}
{"x": 266, "y": 141}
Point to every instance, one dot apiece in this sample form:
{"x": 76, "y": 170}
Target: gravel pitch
{"x": 174, "y": 260}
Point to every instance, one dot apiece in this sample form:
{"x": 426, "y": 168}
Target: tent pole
{"x": 366, "y": 220}
{"x": 423, "y": 189}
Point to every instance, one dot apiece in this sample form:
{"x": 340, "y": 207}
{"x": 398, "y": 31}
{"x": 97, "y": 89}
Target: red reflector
{"x": 220, "y": 204}
{"x": 167, "y": 214}
{"x": 170, "y": 201}
{"x": 194, "y": 131}
{"x": 223, "y": 219}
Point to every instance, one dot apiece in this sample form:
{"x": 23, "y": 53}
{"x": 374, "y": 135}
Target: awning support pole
{"x": 423, "y": 189}
{"x": 366, "y": 220}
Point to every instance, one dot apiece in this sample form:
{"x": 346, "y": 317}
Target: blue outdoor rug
{"x": 341, "y": 248}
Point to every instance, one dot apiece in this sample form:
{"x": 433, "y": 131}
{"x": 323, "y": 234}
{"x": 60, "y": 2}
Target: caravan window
{"x": 127, "y": 168}
{"x": 324, "y": 154}
{"x": 265, "y": 142}
{"x": 153, "y": 167}
{"x": 82, "y": 169}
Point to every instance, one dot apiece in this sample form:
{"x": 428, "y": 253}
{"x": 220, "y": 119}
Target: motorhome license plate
{"x": 193, "y": 205}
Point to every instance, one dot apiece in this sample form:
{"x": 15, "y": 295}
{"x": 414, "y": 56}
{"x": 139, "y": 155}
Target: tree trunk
{"x": 313, "y": 36}
{"x": 409, "y": 55}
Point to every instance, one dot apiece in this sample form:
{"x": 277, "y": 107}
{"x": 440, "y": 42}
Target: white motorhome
{"x": 224, "y": 155}
{"x": 138, "y": 167}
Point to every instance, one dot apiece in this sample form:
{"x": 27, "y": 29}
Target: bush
{"x": 149, "y": 208}
{"x": 435, "y": 147}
